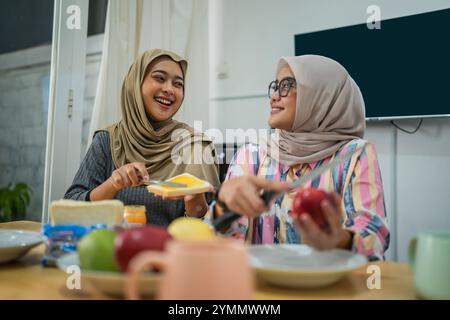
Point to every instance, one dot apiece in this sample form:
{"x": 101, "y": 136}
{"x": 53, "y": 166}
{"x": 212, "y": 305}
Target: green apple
{"x": 96, "y": 251}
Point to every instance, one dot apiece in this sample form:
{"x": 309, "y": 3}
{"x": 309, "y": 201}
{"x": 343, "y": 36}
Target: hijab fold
{"x": 135, "y": 138}
{"x": 329, "y": 112}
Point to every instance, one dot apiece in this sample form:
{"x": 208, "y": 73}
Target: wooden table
{"x": 27, "y": 279}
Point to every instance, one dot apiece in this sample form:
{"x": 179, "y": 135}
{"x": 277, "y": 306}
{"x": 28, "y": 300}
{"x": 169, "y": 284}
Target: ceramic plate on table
{"x": 110, "y": 283}
{"x": 16, "y": 243}
{"x": 300, "y": 266}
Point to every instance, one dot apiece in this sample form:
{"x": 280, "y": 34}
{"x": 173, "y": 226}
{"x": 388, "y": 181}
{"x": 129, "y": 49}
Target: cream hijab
{"x": 329, "y": 112}
{"x": 136, "y": 139}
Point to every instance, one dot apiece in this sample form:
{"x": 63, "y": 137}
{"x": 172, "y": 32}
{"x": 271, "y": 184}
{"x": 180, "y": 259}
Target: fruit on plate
{"x": 132, "y": 241}
{"x": 308, "y": 200}
{"x": 96, "y": 251}
{"x": 187, "y": 228}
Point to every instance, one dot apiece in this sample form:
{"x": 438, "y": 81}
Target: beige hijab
{"x": 136, "y": 139}
{"x": 329, "y": 113}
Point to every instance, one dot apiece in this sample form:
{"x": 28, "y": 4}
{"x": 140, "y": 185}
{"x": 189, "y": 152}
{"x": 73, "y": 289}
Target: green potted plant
{"x": 14, "y": 201}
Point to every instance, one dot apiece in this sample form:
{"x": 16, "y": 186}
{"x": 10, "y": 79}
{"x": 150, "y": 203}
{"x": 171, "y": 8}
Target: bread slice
{"x": 86, "y": 213}
{"x": 194, "y": 186}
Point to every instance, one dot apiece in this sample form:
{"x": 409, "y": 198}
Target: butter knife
{"x": 164, "y": 183}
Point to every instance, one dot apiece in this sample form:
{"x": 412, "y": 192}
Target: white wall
{"x": 24, "y": 90}
{"x": 22, "y": 130}
{"x": 246, "y": 39}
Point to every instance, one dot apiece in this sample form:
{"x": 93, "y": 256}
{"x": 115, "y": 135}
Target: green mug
{"x": 429, "y": 257}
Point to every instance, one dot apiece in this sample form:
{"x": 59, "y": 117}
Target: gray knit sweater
{"x": 97, "y": 166}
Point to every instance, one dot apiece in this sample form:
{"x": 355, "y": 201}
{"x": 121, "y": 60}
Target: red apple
{"x": 308, "y": 200}
{"x": 132, "y": 241}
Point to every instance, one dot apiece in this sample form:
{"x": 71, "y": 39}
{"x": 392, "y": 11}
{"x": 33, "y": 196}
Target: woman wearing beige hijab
{"x": 147, "y": 143}
{"x": 318, "y": 113}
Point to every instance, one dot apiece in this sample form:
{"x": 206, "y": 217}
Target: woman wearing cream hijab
{"x": 318, "y": 113}
{"x": 141, "y": 146}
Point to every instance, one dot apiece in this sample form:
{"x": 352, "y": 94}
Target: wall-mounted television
{"x": 403, "y": 69}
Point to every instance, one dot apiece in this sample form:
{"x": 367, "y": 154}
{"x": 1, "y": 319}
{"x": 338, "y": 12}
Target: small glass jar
{"x": 134, "y": 215}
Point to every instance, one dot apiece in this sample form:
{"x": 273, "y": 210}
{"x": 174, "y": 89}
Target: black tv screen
{"x": 403, "y": 69}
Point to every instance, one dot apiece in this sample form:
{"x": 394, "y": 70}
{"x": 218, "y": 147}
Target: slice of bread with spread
{"x": 193, "y": 184}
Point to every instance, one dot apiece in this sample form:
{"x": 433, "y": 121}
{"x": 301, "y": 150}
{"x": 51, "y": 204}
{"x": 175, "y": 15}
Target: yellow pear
{"x": 187, "y": 228}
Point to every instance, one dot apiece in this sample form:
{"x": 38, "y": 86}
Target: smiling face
{"x": 162, "y": 89}
{"x": 282, "y": 109}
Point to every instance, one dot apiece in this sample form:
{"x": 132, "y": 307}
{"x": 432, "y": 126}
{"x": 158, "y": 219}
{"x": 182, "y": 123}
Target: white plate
{"x": 300, "y": 266}
{"x": 16, "y": 243}
{"x": 110, "y": 283}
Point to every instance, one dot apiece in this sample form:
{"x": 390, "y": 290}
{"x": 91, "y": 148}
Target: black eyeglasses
{"x": 283, "y": 87}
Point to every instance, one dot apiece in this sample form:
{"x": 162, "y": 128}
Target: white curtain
{"x": 134, "y": 26}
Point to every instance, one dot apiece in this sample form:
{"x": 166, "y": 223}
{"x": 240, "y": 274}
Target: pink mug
{"x": 196, "y": 270}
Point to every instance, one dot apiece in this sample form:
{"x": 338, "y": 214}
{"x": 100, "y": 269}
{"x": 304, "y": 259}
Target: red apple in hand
{"x": 308, "y": 200}
{"x": 132, "y": 241}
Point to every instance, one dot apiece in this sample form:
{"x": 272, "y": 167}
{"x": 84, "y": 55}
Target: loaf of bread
{"x": 86, "y": 213}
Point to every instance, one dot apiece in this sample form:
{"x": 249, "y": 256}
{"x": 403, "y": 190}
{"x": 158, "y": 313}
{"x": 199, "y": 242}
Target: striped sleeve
{"x": 365, "y": 208}
{"x": 93, "y": 170}
{"x": 246, "y": 161}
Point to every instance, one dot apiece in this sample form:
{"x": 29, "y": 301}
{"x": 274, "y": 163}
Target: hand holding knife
{"x": 268, "y": 196}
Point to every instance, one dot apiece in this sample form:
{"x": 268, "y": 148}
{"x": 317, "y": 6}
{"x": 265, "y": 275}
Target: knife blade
{"x": 165, "y": 183}
{"x": 268, "y": 196}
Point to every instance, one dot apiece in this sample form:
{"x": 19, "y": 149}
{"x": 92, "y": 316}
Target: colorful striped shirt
{"x": 357, "y": 179}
